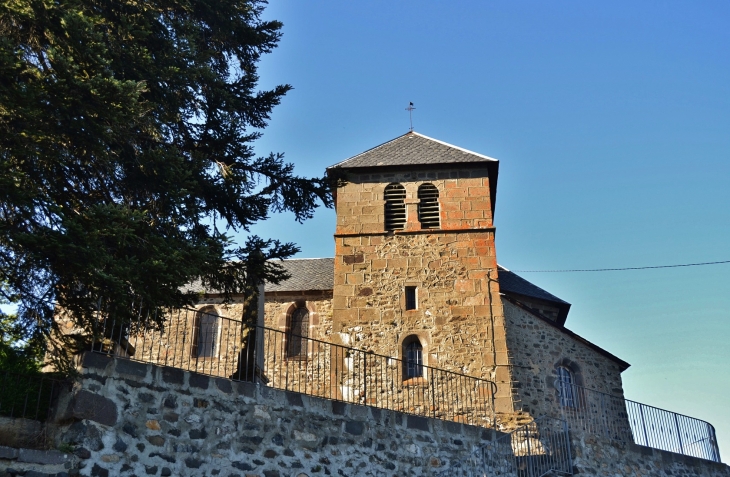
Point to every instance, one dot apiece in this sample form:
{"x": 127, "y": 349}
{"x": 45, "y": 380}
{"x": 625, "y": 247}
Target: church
{"x": 415, "y": 276}
{"x": 411, "y": 330}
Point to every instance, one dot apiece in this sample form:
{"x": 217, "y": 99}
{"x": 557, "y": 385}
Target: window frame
{"x": 395, "y": 212}
{"x": 426, "y": 199}
{"x": 410, "y": 298}
{"x": 297, "y": 342}
{"x": 212, "y": 326}
{"x": 567, "y": 387}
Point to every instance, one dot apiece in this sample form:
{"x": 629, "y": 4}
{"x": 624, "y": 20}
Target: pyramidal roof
{"x": 413, "y": 149}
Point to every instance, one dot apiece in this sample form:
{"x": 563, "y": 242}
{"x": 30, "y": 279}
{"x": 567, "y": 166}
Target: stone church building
{"x": 410, "y": 352}
{"x": 415, "y": 277}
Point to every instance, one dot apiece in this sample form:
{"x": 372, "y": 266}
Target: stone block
{"x": 294, "y": 399}
{"x": 224, "y": 385}
{"x": 8, "y": 453}
{"x": 339, "y": 408}
{"x": 245, "y": 389}
{"x": 355, "y": 428}
{"x": 98, "y": 471}
{"x": 16, "y": 432}
{"x": 131, "y": 368}
{"x": 46, "y": 457}
{"x": 172, "y": 375}
{"x": 87, "y": 405}
{"x": 198, "y": 381}
{"x": 417, "y": 422}
{"x": 452, "y": 427}
{"x": 96, "y": 360}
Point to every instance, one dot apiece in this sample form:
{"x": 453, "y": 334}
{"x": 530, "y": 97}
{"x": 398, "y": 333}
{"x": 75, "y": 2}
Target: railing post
{"x": 364, "y": 378}
{"x": 530, "y": 470}
{"x": 569, "y": 452}
{"x": 643, "y": 424}
{"x": 679, "y": 434}
{"x": 713, "y": 443}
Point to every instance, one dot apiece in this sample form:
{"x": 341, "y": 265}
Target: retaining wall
{"x": 126, "y": 418}
{"x": 133, "y": 418}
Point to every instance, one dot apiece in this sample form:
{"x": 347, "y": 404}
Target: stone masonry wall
{"x": 596, "y": 457}
{"x": 127, "y": 418}
{"x": 464, "y": 200}
{"x": 458, "y": 320}
{"x": 536, "y": 348}
{"x": 135, "y": 419}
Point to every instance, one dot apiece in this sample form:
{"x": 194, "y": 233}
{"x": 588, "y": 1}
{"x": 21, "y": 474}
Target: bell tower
{"x": 415, "y": 264}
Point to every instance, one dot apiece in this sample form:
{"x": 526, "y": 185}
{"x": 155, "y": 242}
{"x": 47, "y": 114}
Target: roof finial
{"x": 410, "y": 109}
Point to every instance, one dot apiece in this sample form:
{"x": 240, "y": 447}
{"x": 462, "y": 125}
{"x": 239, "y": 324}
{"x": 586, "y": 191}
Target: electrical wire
{"x": 621, "y": 269}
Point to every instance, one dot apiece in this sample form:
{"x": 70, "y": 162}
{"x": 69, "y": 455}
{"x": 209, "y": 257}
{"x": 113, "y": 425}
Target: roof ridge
{"x": 453, "y": 146}
{"x": 364, "y": 158}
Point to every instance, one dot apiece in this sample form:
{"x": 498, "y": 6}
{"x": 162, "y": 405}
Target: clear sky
{"x": 612, "y": 124}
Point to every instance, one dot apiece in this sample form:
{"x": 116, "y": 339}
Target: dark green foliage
{"x": 125, "y": 156}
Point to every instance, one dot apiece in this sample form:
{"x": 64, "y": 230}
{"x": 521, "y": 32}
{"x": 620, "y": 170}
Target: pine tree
{"x": 126, "y": 133}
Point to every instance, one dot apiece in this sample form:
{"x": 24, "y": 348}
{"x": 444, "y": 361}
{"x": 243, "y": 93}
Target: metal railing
{"x": 624, "y": 420}
{"x": 28, "y": 396}
{"x": 541, "y": 447}
{"x": 218, "y": 346}
{"x": 666, "y": 430}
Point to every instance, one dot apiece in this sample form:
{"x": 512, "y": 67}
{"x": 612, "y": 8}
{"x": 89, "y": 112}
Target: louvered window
{"x": 395, "y": 207}
{"x": 428, "y": 206}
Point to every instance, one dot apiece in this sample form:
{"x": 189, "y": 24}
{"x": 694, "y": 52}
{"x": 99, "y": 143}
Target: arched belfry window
{"x": 413, "y": 354}
{"x": 395, "y": 207}
{"x": 297, "y": 332}
{"x": 428, "y": 206}
{"x": 566, "y": 387}
{"x": 205, "y": 332}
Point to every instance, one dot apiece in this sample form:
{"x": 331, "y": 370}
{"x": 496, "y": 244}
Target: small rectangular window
{"x": 411, "y": 298}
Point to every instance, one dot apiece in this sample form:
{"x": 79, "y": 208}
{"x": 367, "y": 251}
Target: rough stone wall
{"x": 175, "y": 345}
{"x": 279, "y": 304}
{"x": 536, "y": 348}
{"x": 125, "y": 418}
{"x": 595, "y": 457}
{"x": 139, "y": 419}
{"x": 458, "y": 320}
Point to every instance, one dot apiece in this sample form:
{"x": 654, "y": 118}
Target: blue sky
{"x": 611, "y": 121}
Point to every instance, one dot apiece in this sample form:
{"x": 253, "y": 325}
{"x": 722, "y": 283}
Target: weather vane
{"x": 410, "y": 109}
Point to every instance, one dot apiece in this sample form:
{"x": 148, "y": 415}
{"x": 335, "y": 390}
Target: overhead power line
{"x": 621, "y": 269}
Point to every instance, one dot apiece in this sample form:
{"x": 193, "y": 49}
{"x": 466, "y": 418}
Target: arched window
{"x": 205, "y": 332}
{"x": 395, "y": 207}
{"x": 566, "y": 387}
{"x": 413, "y": 352}
{"x": 297, "y": 332}
{"x": 428, "y": 206}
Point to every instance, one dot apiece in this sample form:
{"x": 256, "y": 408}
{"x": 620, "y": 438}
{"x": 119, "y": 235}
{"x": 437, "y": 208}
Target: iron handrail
{"x": 618, "y": 418}
{"x": 219, "y": 346}
{"x": 538, "y": 448}
{"x": 28, "y": 396}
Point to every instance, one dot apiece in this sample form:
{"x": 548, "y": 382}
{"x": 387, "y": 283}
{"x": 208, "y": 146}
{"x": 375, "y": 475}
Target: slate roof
{"x": 413, "y": 149}
{"x": 511, "y": 283}
{"x": 307, "y": 274}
